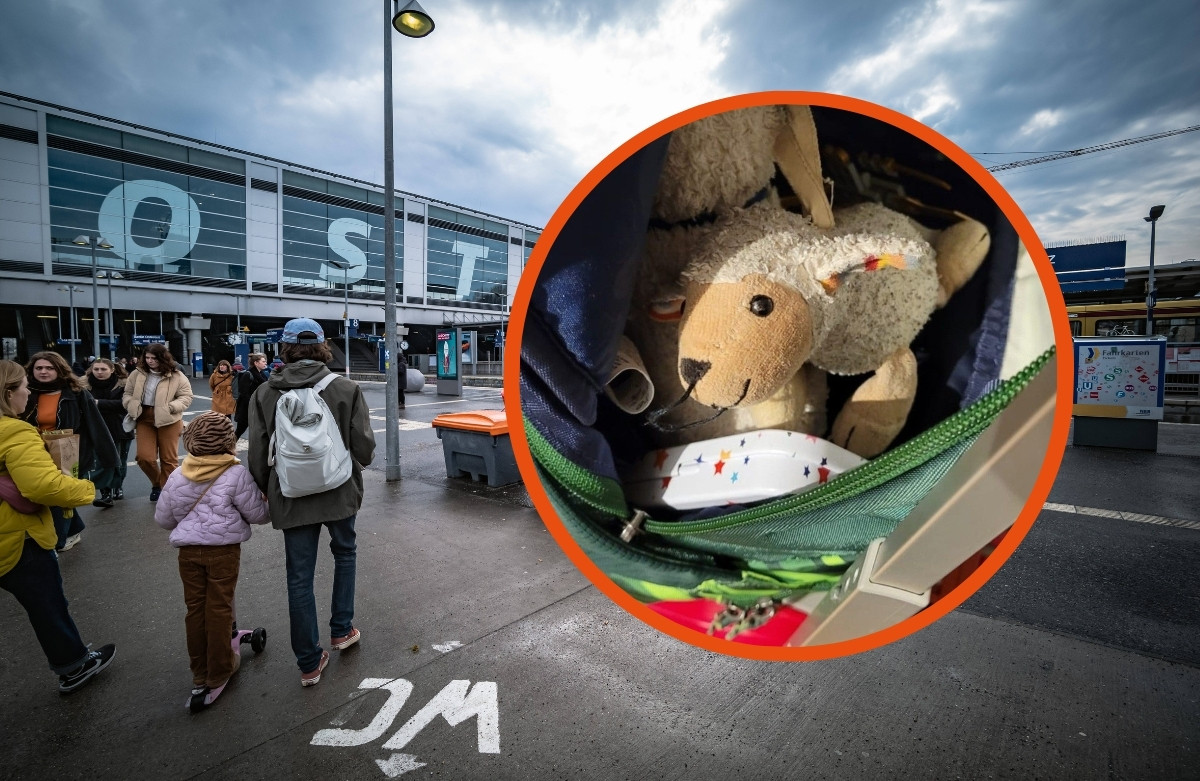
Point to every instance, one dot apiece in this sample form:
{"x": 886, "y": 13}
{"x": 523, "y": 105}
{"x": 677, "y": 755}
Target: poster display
{"x": 1120, "y": 377}
{"x": 447, "y": 354}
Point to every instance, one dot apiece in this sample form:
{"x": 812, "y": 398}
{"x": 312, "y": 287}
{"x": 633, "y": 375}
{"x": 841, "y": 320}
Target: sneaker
{"x": 342, "y": 643}
{"x": 313, "y": 677}
{"x": 154, "y": 493}
{"x": 95, "y": 662}
{"x": 118, "y": 493}
{"x": 105, "y": 499}
{"x": 72, "y": 541}
{"x": 195, "y": 702}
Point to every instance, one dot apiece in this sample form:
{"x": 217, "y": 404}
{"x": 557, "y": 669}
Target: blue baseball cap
{"x": 302, "y": 331}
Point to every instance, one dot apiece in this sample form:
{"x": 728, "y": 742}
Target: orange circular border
{"x": 1041, "y": 488}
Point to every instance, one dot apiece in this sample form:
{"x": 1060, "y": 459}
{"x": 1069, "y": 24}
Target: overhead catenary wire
{"x": 1090, "y": 149}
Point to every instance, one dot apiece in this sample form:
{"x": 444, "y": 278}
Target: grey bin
{"x": 477, "y": 444}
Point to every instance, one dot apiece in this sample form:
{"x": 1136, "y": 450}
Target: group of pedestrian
{"x": 209, "y": 503}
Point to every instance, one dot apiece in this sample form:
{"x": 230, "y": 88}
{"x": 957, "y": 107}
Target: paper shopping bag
{"x": 63, "y": 446}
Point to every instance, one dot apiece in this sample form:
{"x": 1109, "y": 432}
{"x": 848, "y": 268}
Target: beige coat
{"x": 172, "y": 396}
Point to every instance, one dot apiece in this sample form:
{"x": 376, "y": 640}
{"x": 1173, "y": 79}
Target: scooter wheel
{"x": 258, "y": 640}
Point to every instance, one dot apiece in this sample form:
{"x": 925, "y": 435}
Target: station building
{"x": 205, "y": 247}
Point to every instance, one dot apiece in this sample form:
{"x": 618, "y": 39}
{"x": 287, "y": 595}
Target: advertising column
{"x": 1119, "y": 391}
{"x": 449, "y": 377}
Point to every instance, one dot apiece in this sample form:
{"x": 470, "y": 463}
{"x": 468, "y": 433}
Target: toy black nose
{"x": 693, "y": 370}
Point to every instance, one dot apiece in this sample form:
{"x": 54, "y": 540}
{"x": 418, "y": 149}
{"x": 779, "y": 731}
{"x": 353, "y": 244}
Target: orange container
{"x": 484, "y": 421}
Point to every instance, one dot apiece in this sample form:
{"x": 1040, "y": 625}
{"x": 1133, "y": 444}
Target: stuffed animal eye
{"x": 762, "y": 306}
{"x": 667, "y": 309}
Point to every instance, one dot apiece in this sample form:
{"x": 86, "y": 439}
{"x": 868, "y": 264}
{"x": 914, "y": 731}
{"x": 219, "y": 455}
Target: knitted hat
{"x": 210, "y": 434}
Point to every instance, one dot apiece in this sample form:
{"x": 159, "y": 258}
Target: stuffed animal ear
{"x": 799, "y": 158}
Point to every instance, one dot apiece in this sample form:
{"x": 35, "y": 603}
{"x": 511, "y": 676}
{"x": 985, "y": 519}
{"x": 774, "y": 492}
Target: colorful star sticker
{"x": 746, "y": 460}
{"x": 700, "y": 459}
{"x": 725, "y": 454}
{"x": 659, "y": 459}
{"x": 666, "y": 481}
{"x": 806, "y": 471}
{"x": 824, "y": 473}
{"x": 742, "y": 443}
{"x": 733, "y": 477}
{"x": 717, "y": 467}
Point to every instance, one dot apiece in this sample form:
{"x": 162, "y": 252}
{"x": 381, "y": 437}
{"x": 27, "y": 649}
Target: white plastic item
{"x": 735, "y": 469}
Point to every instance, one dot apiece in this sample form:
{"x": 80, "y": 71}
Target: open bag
{"x": 871, "y": 546}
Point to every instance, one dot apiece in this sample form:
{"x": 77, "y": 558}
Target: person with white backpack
{"x": 310, "y": 438}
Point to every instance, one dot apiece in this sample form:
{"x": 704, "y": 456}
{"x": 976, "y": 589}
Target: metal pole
{"x": 1150, "y": 292}
{"x": 112, "y": 348}
{"x": 71, "y": 304}
{"x": 392, "y": 396}
{"x": 95, "y": 300}
{"x": 346, "y": 316}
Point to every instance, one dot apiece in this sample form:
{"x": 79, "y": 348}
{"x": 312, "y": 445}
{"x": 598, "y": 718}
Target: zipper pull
{"x": 633, "y": 525}
{"x": 757, "y": 616}
{"x": 732, "y": 614}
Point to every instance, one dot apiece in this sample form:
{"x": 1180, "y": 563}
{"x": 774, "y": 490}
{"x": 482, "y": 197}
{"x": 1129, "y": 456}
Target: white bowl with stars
{"x": 735, "y": 469}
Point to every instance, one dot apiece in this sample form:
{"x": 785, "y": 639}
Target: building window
{"x": 164, "y": 207}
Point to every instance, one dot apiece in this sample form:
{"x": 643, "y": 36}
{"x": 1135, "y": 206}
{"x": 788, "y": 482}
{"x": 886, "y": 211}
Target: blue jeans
{"x": 37, "y": 584}
{"x": 300, "y": 545}
{"x": 66, "y": 527}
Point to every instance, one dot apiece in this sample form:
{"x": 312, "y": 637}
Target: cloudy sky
{"x": 509, "y": 103}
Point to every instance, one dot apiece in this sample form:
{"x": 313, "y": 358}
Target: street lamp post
{"x": 112, "y": 318}
{"x": 344, "y": 267}
{"x": 412, "y": 22}
{"x": 83, "y": 240}
{"x": 71, "y": 291}
{"x": 1155, "y": 213}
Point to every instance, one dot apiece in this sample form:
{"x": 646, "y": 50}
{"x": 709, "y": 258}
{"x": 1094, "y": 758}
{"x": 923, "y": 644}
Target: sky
{"x": 508, "y": 104}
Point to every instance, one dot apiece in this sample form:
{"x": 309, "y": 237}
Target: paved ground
{"x": 1078, "y": 660}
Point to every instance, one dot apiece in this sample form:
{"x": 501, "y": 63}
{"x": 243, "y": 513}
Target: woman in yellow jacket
{"x": 156, "y": 394}
{"x": 29, "y": 481}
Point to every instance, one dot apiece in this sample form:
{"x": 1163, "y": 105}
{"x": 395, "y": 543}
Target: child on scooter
{"x": 209, "y": 504}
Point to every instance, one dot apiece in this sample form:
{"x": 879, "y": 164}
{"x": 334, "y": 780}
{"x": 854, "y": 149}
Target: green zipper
{"x": 599, "y": 493}
{"x": 960, "y": 426}
{"x": 606, "y": 495}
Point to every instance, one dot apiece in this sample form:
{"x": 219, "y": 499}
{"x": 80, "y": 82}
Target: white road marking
{"x": 399, "y": 690}
{"x": 398, "y": 764}
{"x": 1120, "y": 515}
{"x": 448, "y": 646}
{"x": 457, "y": 702}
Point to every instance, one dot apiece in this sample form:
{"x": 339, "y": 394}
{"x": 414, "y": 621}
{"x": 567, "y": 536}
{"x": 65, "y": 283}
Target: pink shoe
{"x": 313, "y": 677}
{"x": 342, "y": 643}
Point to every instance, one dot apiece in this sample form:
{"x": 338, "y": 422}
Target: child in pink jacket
{"x": 209, "y": 504}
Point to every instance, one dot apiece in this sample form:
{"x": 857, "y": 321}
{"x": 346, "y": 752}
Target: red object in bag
{"x": 698, "y": 614}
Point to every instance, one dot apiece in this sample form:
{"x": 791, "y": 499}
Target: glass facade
{"x": 164, "y": 207}
{"x": 333, "y": 233}
{"x": 467, "y": 260}
{"x": 531, "y": 238}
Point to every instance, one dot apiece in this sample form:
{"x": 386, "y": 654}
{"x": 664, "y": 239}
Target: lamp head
{"x": 103, "y": 243}
{"x": 81, "y": 240}
{"x": 412, "y": 21}
{"x": 1155, "y": 213}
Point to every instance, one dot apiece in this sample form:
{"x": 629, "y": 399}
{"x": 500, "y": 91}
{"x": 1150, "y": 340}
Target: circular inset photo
{"x": 788, "y": 376}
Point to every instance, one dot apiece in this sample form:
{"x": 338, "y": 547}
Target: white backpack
{"x": 306, "y": 448}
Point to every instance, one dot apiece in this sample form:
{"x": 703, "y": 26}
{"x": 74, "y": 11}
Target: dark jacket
{"x": 349, "y": 409}
{"x": 108, "y": 398}
{"x": 79, "y": 413}
{"x": 247, "y": 382}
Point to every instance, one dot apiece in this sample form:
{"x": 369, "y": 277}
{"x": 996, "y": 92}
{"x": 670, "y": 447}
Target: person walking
{"x": 208, "y": 505}
{"x": 31, "y": 483}
{"x": 248, "y": 382}
{"x": 58, "y": 400}
{"x": 106, "y": 382}
{"x": 156, "y": 394}
{"x": 221, "y": 383}
{"x": 305, "y": 354}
